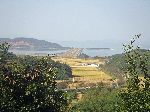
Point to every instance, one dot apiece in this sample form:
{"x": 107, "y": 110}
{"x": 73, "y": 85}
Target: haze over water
{"x": 77, "y": 23}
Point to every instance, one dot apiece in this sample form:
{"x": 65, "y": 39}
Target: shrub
{"x": 98, "y": 100}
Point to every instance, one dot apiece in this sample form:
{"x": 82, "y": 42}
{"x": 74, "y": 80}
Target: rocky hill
{"x": 22, "y": 43}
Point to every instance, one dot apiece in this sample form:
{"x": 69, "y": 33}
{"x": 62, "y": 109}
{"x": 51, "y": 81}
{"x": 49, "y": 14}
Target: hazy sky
{"x": 67, "y": 20}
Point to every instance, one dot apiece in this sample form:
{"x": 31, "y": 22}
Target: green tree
{"x": 28, "y": 85}
{"x": 136, "y": 97}
{"x": 98, "y": 100}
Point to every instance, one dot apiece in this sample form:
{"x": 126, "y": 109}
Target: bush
{"x": 62, "y": 85}
{"x": 98, "y": 100}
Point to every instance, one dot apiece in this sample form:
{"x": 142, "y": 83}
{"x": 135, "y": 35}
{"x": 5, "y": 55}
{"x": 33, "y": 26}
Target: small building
{"x": 93, "y": 65}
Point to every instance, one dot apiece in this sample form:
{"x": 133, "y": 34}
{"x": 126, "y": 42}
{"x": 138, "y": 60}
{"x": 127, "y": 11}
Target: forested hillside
{"x": 117, "y": 66}
{"x": 23, "y": 43}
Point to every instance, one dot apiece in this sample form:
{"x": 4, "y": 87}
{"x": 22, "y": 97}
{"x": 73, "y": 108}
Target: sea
{"x": 102, "y": 52}
{"x": 91, "y": 53}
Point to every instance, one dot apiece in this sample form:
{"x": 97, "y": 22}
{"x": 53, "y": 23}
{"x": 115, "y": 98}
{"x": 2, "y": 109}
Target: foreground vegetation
{"x": 28, "y": 84}
{"x": 101, "y": 99}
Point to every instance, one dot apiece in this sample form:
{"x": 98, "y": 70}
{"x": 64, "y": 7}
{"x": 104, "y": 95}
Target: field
{"x": 90, "y": 74}
{"x": 83, "y": 71}
{"x": 77, "y": 62}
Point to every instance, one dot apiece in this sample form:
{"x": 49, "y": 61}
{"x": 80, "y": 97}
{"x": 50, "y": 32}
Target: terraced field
{"x": 85, "y": 73}
{"x": 90, "y": 74}
{"x": 77, "y": 61}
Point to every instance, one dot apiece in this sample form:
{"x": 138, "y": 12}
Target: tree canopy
{"x": 28, "y": 84}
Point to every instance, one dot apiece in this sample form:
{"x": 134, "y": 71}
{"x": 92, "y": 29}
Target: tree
{"x": 98, "y": 100}
{"x": 28, "y": 85}
{"x": 136, "y": 97}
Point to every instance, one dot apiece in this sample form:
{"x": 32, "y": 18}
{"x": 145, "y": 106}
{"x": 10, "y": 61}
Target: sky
{"x": 108, "y": 22}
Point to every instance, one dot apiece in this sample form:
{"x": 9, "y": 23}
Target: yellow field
{"x": 90, "y": 74}
{"x": 85, "y": 73}
{"x": 78, "y": 62}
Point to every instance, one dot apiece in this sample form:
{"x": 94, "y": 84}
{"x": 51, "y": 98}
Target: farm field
{"x": 85, "y": 73}
{"x": 77, "y": 61}
{"x": 89, "y": 74}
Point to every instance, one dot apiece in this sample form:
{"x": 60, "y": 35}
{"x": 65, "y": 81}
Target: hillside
{"x": 116, "y": 65}
{"x": 22, "y": 43}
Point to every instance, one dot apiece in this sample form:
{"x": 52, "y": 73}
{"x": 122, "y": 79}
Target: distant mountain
{"x": 23, "y": 43}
